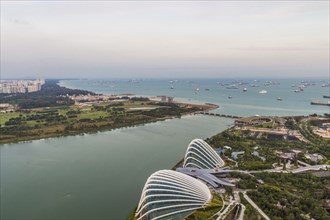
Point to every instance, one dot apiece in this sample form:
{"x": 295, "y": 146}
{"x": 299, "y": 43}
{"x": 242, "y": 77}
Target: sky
{"x": 137, "y": 39}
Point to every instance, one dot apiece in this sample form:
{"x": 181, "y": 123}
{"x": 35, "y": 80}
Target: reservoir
{"x": 93, "y": 176}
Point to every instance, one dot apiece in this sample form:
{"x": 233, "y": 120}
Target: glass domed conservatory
{"x": 201, "y": 155}
{"x": 168, "y": 194}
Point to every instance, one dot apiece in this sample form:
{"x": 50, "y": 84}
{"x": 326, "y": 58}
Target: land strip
{"x": 80, "y": 112}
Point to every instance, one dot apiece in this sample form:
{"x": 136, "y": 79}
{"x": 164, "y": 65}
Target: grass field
{"x": 50, "y": 122}
{"x": 4, "y": 117}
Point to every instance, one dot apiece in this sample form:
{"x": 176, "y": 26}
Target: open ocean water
{"x": 216, "y": 91}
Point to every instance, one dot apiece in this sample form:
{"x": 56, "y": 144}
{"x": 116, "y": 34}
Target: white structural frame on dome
{"x": 186, "y": 190}
{"x": 205, "y": 150}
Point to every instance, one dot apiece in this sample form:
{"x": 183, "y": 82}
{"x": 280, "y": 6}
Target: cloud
{"x": 153, "y": 36}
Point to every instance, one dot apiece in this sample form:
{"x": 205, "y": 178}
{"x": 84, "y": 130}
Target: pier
{"x": 219, "y": 115}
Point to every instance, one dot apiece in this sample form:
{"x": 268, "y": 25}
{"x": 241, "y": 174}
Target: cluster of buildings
{"x": 325, "y": 127}
{"x": 175, "y": 194}
{"x": 166, "y": 99}
{"x": 91, "y": 99}
{"x": 293, "y": 154}
{"x": 20, "y": 86}
{"x": 6, "y": 107}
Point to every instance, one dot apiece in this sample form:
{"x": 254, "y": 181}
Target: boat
{"x": 321, "y": 103}
{"x": 230, "y": 97}
{"x": 172, "y": 87}
{"x": 263, "y": 91}
{"x": 207, "y": 89}
{"x": 245, "y": 90}
{"x": 326, "y": 96}
{"x": 296, "y": 91}
{"x": 279, "y": 99}
{"x": 232, "y": 87}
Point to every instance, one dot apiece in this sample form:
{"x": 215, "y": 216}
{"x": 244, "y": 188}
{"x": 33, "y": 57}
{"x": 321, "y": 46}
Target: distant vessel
{"x": 296, "y": 91}
{"x": 245, "y": 90}
{"x": 263, "y": 91}
{"x": 172, "y": 87}
{"x": 230, "y": 97}
{"x": 326, "y": 96}
{"x": 232, "y": 87}
{"x": 207, "y": 89}
{"x": 301, "y": 87}
{"x": 321, "y": 103}
{"x": 279, "y": 99}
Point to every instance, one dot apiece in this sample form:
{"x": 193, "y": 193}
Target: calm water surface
{"x": 94, "y": 176}
{"x": 210, "y": 90}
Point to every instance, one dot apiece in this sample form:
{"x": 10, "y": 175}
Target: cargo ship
{"x": 321, "y": 103}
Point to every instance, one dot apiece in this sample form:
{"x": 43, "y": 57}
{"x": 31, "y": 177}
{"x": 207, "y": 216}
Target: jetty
{"x": 219, "y": 115}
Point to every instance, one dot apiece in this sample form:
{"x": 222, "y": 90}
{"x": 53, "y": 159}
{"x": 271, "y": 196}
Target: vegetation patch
{"x": 290, "y": 196}
{"x": 209, "y": 210}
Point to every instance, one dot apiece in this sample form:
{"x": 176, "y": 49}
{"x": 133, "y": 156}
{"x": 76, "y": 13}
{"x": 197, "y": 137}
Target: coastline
{"x": 82, "y": 111}
{"x": 104, "y": 125}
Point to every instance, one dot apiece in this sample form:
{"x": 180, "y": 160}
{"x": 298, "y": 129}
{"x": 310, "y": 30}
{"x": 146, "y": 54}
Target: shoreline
{"x": 103, "y": 125}
{"x": 81, "y": 133}
{"x": 77, "y": 117}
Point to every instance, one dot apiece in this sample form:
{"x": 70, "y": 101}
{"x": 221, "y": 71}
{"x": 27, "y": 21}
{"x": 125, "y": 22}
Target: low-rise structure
{"x": 235, "y": 155}
{"x": 314, "y": 157}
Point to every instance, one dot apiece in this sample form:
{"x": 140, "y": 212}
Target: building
{"x": 314, "y": 157}
{"x": 235, "y": 155}
{"x": 207, "y": 176}
{"x": 20, "y": 86}
{"x": 201, "y": 155}
{"x": 170, "y": 99}
{"x": 168, "y": 194}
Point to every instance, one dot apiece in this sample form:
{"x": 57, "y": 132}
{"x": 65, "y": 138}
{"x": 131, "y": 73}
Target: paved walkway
{"x": 241, "y": 216}
{"x": 255, "y": 206}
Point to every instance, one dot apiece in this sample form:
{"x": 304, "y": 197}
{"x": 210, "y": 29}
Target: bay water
{"x": 93, "y": 176}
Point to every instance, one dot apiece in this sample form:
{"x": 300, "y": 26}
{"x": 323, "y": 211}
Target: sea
{"x": 227, "y": 93}
{"x": 100, "y": 175}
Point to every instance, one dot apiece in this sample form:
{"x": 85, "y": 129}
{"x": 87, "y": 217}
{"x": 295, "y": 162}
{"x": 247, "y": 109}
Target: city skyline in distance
{"x": 145, "y": 39}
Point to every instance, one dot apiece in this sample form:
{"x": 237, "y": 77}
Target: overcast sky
{"x": 164, "y": 39}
